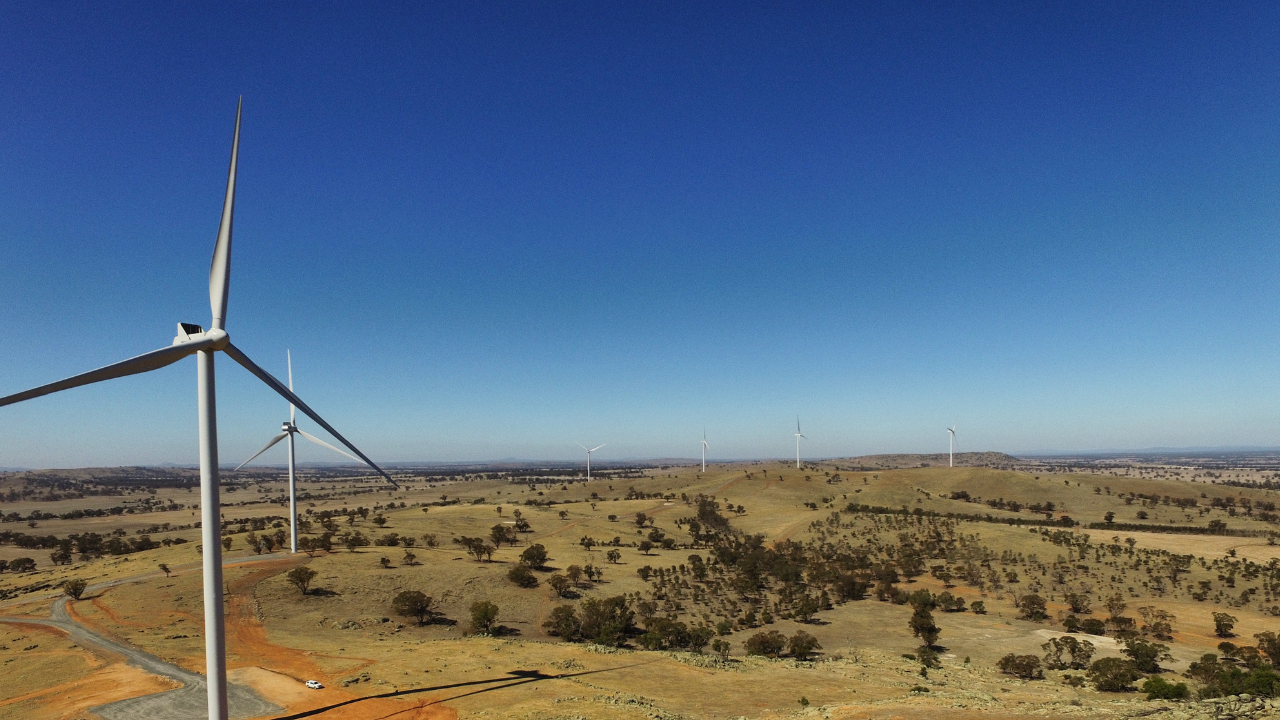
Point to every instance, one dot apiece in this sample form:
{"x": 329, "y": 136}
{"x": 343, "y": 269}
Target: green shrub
{"x": 768, "y": 644}
{"x": 1026, "y": 667}
{"x": 522, "y": 576}
{"x": 1157, "y": 688}
{"x": 1113, "y": 674}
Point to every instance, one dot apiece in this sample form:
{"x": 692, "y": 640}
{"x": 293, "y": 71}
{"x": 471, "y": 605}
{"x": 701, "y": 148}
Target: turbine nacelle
{"x": 188, "y": 333}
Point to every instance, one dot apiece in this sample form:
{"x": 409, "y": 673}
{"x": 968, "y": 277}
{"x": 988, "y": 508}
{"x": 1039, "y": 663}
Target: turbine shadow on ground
{"x": 512, "y": 679}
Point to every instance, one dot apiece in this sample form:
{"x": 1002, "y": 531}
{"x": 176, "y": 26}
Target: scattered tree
{"x": 1223, "y": 624}
{"x": 768, "y": 644}
{"x": 484, "y": 615}
{"x": 802, "y": 645}
{"x": 1026, "y": 667}
{"x": 1112, "y": 674}
{"x": 301, "y": 577}
{"x": 535, "y": 556}
{"x": 1032, "y": 607}
{"x": 521, "y": 575}
{"x": 415, "y": 604}
{"x": 74, "y": 587}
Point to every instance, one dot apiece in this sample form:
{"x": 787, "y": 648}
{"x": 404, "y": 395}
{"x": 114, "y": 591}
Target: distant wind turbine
{"x": 195, "y": 340}
{"x": 951, "y": 445}
{"x": 798, "y": 436}
{"x": 704, "y": 449}
{"x": 589, "y": 451}
{"x": 287, "y": 430}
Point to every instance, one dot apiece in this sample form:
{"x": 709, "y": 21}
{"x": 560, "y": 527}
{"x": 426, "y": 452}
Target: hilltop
{"x": 997, "y": 460}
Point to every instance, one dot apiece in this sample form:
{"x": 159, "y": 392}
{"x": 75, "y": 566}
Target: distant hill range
{"x": 998, "y": 460}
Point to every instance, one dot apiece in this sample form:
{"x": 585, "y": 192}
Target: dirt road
{"x": 188, "y": 701}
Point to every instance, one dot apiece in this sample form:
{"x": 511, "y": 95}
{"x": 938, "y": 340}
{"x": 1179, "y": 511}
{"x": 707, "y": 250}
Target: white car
{"x": 314, "y": 684}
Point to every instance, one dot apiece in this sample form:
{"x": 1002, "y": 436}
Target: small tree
{"x": 409, "y": 557}
{"x": 353, "y": 540}
{"x": 1157, "y": 688}
{"x": 721, "y": 648}
{"x": 1067, "y": 653}
{"x": 165, "y": 569}
{"x": 301, "y": 577}
{"x": 1113, "y": 674}
{"x": 806, "y": 608}
{"x": 645, "y": 546}
{"x": 75, "y": 587}
{"x": 1116, "y": 605}
{"x": 1079, "y": 603}
{"x": 1032, "y": 607}
{"x": 802, "y": 645}
{"x": 1146, "y": 656}
{"x": 1269, "y": 645}
{"x": 559, "y": 584}
{"x": 768, "y": 644}
{"x": 415, "y": 604}
{"x": 226, "y": 543}
{"x": 574, "y": 573}
{"x": 520, "y": 575}
{"x": 613, "y": 556}
{"x": 385, "y": 563}
{"x": 1223, "y": 625}
{"x": 484, "y": 615}
{"x": 502, "y": 533}
{"x": 923, "y": 627}
{"x": 535, "y": 556}
{"x": 563, "y": 622}
{"x": 1026, "y": 667}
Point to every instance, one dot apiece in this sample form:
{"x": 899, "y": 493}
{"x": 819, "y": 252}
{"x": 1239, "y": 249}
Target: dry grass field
{"x": 829, "y": 535}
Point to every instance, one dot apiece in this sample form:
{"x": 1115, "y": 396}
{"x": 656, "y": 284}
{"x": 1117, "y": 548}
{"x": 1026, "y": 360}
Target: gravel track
{"x": 188, "y": 702}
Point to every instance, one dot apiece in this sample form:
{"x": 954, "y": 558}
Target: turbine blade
{"x": 265, "y": 448}
{"x": 220, "y": 266}
{"x": 287, "y": 394}
{"x": 596, "y": 448}
{"x": 584, "y": 447}
{"x": 322, "y": 443}
{"x": 145, "y": 362}
{"x": 292, "y": 412}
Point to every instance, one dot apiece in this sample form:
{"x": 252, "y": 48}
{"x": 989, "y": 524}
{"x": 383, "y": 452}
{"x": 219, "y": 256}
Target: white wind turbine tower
{"x": 204, "y": 344}
{"x": 589, "y": 451}
{"x": 288, "y": 430}
{"x": 798, "y": 436}
{"x": 704, "y": 449}
{"x": 951, "y": 445}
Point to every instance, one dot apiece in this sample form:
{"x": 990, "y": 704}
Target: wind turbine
{"x": 704, "y": 449}
{"x": 195, "y": 340}
{"x": 288, "y": 430}
{"x": 589, "y": 451}
{"x": 951, "y": 445}
{"x": 798, "y": 436}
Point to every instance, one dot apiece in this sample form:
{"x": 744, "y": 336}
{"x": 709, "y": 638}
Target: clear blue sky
{"x": 487, "y": 230}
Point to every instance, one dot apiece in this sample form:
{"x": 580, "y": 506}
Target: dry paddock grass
{"x": 278, "y": 638}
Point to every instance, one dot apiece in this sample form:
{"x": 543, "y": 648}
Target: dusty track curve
{"x": 188, "y": 701}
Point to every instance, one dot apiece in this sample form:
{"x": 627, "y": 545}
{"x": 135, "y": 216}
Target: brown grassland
{"x": 817, "y": 570}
